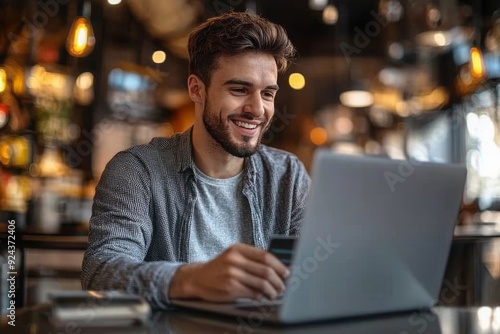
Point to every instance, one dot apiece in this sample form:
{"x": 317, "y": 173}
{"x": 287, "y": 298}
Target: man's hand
{"x": 241, "y": 271}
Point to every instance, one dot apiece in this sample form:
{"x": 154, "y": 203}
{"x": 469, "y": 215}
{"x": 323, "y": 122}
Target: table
{"x": 439, "y": 320}
{"x": 477, "y": 231}
{"x": 467, "y": 268}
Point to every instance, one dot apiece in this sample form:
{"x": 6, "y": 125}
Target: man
{"x": 190, "y": 216}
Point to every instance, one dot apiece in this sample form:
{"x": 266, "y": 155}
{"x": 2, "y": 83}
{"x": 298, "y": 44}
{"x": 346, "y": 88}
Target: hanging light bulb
{"x": 81, "y": 39}
{"x": 476, "y": 62}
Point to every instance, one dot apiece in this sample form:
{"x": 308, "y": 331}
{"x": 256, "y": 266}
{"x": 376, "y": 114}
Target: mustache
{"x": 249, "y": 117}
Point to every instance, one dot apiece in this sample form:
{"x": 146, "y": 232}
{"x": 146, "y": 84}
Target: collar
{"x": 185, "y": 158}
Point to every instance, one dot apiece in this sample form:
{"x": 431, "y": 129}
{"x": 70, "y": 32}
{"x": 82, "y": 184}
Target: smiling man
{"x": 190, "y": 216}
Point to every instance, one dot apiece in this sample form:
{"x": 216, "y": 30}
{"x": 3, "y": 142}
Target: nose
{"x": 254, "y": 105}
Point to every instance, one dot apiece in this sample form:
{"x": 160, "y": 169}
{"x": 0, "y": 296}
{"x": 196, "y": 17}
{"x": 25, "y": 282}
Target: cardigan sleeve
{"x": 120, "y": 234}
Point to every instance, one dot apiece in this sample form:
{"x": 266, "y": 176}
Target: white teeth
{"x": 245, "y": 125}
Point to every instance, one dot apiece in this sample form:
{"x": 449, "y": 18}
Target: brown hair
{"x": 233, "y": 33}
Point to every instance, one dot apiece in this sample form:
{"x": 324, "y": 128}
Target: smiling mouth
{"x": 246, "y": 125}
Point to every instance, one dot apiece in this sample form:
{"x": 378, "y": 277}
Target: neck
{"x": 212, "y": 159}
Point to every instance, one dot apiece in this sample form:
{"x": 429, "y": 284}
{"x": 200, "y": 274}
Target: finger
{"x": 266, "y": 274}
{"x": 266, "y": 258}
{"x": 259, "y": 285}
{"x": 219, "y": 282}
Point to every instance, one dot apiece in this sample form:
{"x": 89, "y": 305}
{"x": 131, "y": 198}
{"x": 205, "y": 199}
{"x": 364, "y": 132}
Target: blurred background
{"x": 81, "y": 80}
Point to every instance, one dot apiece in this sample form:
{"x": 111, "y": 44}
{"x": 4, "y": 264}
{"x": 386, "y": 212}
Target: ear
{"x": 196, "y": 88}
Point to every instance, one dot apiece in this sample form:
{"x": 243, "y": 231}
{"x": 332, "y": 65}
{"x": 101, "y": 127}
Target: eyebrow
{"x": 248, "y": 84}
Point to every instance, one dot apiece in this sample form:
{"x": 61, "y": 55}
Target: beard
{"x": 219, "y": 130}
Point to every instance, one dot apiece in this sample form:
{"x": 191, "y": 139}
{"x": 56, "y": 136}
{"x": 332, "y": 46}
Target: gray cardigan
{"x": 144, "y": 204}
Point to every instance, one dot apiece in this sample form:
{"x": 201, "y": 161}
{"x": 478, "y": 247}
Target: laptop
{"x": 375, "y": 239}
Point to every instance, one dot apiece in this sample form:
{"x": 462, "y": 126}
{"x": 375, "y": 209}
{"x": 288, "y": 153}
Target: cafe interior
{"x": 81, "y": 80}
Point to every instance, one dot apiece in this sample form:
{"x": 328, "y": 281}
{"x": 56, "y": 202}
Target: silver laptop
{"x": 375, "y": 239}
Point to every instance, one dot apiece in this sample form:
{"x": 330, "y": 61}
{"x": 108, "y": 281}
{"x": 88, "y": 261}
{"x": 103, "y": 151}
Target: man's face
{"x": 239, "y": 103}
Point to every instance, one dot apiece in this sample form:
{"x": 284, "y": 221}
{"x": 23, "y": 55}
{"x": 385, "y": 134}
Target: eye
{"x": 238, "y": 90}
{"x": 268, "y": 95}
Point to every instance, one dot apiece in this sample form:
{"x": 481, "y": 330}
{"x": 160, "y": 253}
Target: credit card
{"x": 282, "y": 247}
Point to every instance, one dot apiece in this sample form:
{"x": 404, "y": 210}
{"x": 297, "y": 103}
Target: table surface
{"x": 477, "y": 231}
{"x": 440, "y": 320}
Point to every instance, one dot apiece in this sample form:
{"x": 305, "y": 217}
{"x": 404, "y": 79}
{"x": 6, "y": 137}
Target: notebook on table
{"x": 375, "y": 239}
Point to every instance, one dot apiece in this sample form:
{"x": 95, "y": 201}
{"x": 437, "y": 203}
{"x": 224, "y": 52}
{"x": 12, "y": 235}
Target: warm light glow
{"x": 396, "y": 51}
{"x": 434, "y": 38}
{"x": 356, "y": 98}
{"x": 18, "y": 81}
{"x": 14, "y": 151}
{"x": 159, "y": 57}
{"x": 402, "y": 108}
{"x": 85, "y": 81}
{"x": 81, "y": 40}
{"x": 58, "y": 85}
{"x": 296, "y": 81}
{"x": 476, "y": 63}
{"x": 344, "y": 125}
{"x": 440, "y": 39}
{"x": 3, "y": 80}
{"x": 114, "y": 2}
{"x": 5, "y": 153}
{"x": 83, "y": 92}
{"x": 330, "y": 14}
{"x": 51, "y": 163}
{"x": 318, "y": 136}
{"x": 431, "y": 100}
